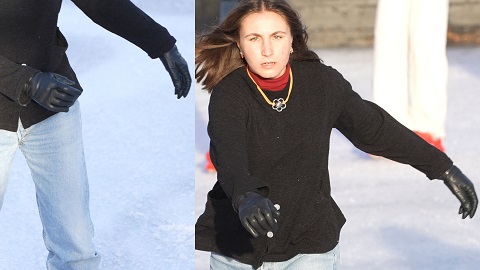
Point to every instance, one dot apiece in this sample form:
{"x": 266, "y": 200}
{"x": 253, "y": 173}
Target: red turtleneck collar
{"x": 272, "y": 84}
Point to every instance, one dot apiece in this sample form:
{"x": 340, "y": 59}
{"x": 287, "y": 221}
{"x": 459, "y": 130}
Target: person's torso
{"x": 28, "y": 30}
{"x": 295, "y": 141}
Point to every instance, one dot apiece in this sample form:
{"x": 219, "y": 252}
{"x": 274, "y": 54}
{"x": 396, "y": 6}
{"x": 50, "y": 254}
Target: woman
{"x": 272, "y": 108}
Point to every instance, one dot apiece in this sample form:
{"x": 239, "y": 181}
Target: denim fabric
{"x": 325, "y": 261}
{"x": 53, "y": 150}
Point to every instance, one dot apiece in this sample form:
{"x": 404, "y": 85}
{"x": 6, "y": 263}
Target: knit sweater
{"x": 284, "y": 156}
{"x": 30, "y": 42}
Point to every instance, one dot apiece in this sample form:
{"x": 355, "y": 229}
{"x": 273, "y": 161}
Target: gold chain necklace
{"x": 278, "y": 104}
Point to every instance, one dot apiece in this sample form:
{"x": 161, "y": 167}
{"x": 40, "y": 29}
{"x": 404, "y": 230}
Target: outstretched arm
{"x": 124, "y": 19}
{"x": 373, "y": 130}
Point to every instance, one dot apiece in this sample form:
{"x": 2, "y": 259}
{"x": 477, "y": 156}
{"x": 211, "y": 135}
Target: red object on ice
{"x": 437, "y": 142}
{"x": 209, "y": 165}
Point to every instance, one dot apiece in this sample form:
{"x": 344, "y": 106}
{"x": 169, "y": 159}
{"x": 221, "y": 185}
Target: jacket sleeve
{"x": 124, "y": 19}
{"x": 13, "y": 77}
{"x": 371, "y": 129}
{"x": 227, "y": 129}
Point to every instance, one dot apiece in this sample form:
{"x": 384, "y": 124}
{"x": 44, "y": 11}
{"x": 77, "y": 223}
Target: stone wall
{"x": 334, "y": 23}
{"x": 464, "y": 22}
{"x": 343, "y": 23}
{"x": 350, "y": 23}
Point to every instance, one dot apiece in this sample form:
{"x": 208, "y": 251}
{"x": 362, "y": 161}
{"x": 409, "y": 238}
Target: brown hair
{"x": 216, "y": 51}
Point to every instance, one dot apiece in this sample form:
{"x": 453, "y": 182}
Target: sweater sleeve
{"x": 227, "y": 129}
{"x": 13, "y": 77}
{"x": 371, "y": 129}
{"x": 124, "y": 19}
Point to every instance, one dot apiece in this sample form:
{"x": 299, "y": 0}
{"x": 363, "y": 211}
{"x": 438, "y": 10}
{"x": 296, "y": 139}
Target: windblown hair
{"x": 216, "y": 51}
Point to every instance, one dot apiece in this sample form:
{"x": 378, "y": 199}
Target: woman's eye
{"x": 277, "y": 37}
{"x": 253, "y": 38}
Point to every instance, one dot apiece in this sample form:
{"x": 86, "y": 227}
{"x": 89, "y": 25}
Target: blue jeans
{"x": 53, "y": 150}
{"x": 325, "y": 261}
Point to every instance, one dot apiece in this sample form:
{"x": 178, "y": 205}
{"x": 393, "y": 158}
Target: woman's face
{"x": 266, "y": 42}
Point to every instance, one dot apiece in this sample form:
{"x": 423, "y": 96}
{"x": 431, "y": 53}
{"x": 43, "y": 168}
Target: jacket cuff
{"x": 22, "y": 98}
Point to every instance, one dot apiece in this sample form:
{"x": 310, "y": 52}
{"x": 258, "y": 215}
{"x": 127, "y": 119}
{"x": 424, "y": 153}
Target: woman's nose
{"x": 267, "y": 49}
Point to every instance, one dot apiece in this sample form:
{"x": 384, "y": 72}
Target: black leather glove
{"x": 463, "y": 189}
{"x": 52, "y": 91}
{"x": 178, "y": 69}
{"x": 257, "y": 213}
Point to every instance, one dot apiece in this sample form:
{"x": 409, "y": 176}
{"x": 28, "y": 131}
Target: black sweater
{"x": 29, "y": 36}
{"x": 284, "y": 155}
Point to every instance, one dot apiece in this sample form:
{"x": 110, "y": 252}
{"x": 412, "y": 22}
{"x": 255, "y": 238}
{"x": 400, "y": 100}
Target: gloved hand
{"x": 178, "y": 69}
{"x": 463, "y": 189}
{"x": 52, "y": 91}
{"x": 257, "y": 213}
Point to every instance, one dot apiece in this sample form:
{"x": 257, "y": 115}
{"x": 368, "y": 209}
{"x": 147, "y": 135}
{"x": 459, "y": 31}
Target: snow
{"x": 141, "y": 164}
{"x": 138, "y": 143}
{"x": 397, "y": 219}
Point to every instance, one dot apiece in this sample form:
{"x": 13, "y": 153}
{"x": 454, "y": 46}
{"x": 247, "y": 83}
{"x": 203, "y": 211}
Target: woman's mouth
{"x": 268, "y": 64}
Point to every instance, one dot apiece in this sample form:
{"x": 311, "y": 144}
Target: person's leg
{"x": 390, "y": 78}
{"x": 53, "y": 149}
{"x": 220, "y": 262}
{"x": 8, "y": 147}
{"x": 429, "y": 67}
{"x": 324, "y": 261}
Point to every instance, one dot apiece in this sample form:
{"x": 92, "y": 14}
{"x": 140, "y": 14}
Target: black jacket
{"x": 285, "y": 156}
{"x": 30, "y": 42}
